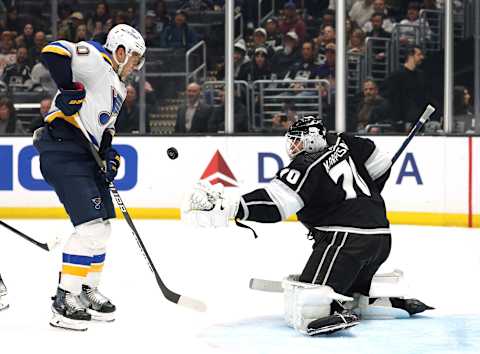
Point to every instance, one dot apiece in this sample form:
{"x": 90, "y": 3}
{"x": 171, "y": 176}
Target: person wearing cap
{"x": 274, "y": 37}
{"x": 179, "y": 34}
{"x": 285, "y": 57}
{"x": 260, "y": 40}
{"x": 292, "y": 22}
{"x": 240, "y": 59}
{"x": 258, "y": 68}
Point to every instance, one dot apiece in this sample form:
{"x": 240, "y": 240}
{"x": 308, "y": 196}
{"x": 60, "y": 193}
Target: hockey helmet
{"x": 129, "y": 38}
{"x": 306, "y": 134}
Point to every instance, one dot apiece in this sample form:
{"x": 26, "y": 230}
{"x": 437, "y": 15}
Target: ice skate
{"x": 100, "y": 307}
{"x": 69, "y": 312}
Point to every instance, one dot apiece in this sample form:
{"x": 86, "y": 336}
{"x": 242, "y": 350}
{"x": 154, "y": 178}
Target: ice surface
{"x": 440, "y": 264}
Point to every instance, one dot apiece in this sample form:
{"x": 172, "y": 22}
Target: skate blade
{"x": 63, "y": 322}
{"x": 101, "y": 317}
{"x": 331, "y": 329}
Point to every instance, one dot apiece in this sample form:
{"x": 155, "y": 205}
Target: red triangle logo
{"x": 218, "y": 171}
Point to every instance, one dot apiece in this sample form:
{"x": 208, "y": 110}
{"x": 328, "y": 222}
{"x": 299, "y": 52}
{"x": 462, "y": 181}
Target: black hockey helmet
{"x": 306, "y": 134}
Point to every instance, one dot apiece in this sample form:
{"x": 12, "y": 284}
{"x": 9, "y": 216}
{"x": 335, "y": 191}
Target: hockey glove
{"x": 112, "y": 164}
{"x": 70, "y": 101}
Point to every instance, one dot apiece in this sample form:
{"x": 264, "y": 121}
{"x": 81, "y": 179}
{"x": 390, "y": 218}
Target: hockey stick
{"x": 275, "y": 285}
{"x": 169, "y": 295}
{"x": 48, "y": 246}
{"x": 420, "y": 122}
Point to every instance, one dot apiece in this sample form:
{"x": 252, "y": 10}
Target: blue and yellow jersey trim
{"x": 51, "y": 116}
{"x": 104, "y": 53}
{"x": 57, "y": 48}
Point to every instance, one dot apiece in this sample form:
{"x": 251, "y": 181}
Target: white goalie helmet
{"x": 306, "y": 134}
{"x": 129, "y": 38}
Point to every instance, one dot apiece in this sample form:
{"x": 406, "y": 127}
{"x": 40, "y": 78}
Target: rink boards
{"x": 436, "y": 181}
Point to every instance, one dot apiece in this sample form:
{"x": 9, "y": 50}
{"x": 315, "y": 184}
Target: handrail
{"x": 240, "y": 35}
{"x": 370, "y": 54}
{"x": 265, "y": 16}
{"x": 202, "y": 66}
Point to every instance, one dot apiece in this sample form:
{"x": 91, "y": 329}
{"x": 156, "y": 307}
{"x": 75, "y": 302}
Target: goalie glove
{"x": 207, "y": 206}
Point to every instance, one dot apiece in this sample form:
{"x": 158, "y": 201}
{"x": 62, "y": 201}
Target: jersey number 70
{"x": 347, "y": 169}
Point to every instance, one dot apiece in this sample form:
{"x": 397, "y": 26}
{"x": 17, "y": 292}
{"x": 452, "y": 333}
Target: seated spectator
{"x": 361, "y": 12}
{"x": 128, "y": 120}
{"x": 151, "y": 33}
{"x": 196, "y": 5}
{"x": 163, "y": 18}
{"x": 407, "y": 32}
{"x": 282, "y": 121}
{"x": 82, "y": 34}
{"x": 42, "y": 80}
{"x": 8, "y": 118}
{"x": 327, "y": 69}
{"x": 357, "y": 42}
{"x": 274, "y": 37}
{"x": 257, "y": 69}
{"x": 40, "y": 41}
{"x": 193, "y": 115}
{"x": 178, "y": 34}
{"x": 26, "y": 38}
{"x": 461, "y": 101}
{"x": 131, "y": 16}
{"x": 7, "y": 50}
{"x": 406, "y": 90}
{"x": 292, "y": 22}
{"x": 304, "y": 68}
{"x": 216, "y": 123}
{"x": 284, "y": 58}
{"x": 328, "y": 18}
{"x": 38, "y": 122}
{"x": 371, "y": 109}
{"x": 240, "y": 59}
{"x": 17, "y": 76}
{"x": 99, "y": 19}
{"x": 68, "y": 27}
{"x": 260, "y": 40}
{"x": 326, "y": 35}
{"x": 376, "y": 26}
{"x": 387, "y": 22}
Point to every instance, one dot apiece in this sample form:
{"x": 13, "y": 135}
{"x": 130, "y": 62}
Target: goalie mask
{"x": 306, "y": 134}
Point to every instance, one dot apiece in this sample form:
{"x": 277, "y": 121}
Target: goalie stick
{"x": 48, "y": 246}
{"x": 169, "y": 294}
{"x": 276, "y": 285}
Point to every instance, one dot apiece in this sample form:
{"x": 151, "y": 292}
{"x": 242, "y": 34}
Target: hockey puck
{"x": 172, "y": 153}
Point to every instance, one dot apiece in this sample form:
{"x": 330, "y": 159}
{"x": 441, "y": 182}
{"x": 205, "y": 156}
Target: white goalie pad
{"x": 392, "y": 284}
{"x": 208, "y": 206}
{"x": 305, "y": 302}
{"x": 384, "y": 286}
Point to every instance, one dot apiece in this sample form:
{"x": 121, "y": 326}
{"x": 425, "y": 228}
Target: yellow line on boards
{"x": 395, "y": 217}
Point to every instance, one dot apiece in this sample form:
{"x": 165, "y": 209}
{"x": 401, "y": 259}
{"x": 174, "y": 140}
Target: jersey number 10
{"x": 347, "y": 169}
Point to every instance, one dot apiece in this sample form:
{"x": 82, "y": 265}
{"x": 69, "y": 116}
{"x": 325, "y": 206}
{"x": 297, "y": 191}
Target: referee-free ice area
{"x": 441, "y": 265}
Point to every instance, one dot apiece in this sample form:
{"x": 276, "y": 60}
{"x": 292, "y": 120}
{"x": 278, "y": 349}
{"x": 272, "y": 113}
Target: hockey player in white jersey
{"x": 3, "y": 295}
{"x": 90, "y": 78}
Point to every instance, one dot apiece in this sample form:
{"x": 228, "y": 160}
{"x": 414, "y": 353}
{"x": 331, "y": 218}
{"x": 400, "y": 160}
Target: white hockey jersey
{"x": 105, "y": 92}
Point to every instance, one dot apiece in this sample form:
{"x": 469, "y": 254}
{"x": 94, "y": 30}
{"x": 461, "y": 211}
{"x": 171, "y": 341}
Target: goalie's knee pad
{"x": 88, "y": 238}
{"x": 305, "y": 302}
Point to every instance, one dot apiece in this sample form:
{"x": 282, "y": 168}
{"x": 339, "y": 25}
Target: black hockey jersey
{"x": 336, "y": 189}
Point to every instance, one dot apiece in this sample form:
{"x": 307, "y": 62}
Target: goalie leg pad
{"x": 305, "y": 302}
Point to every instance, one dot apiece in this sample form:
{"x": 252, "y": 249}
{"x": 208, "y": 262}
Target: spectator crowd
{"x": 295, "y": 46}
